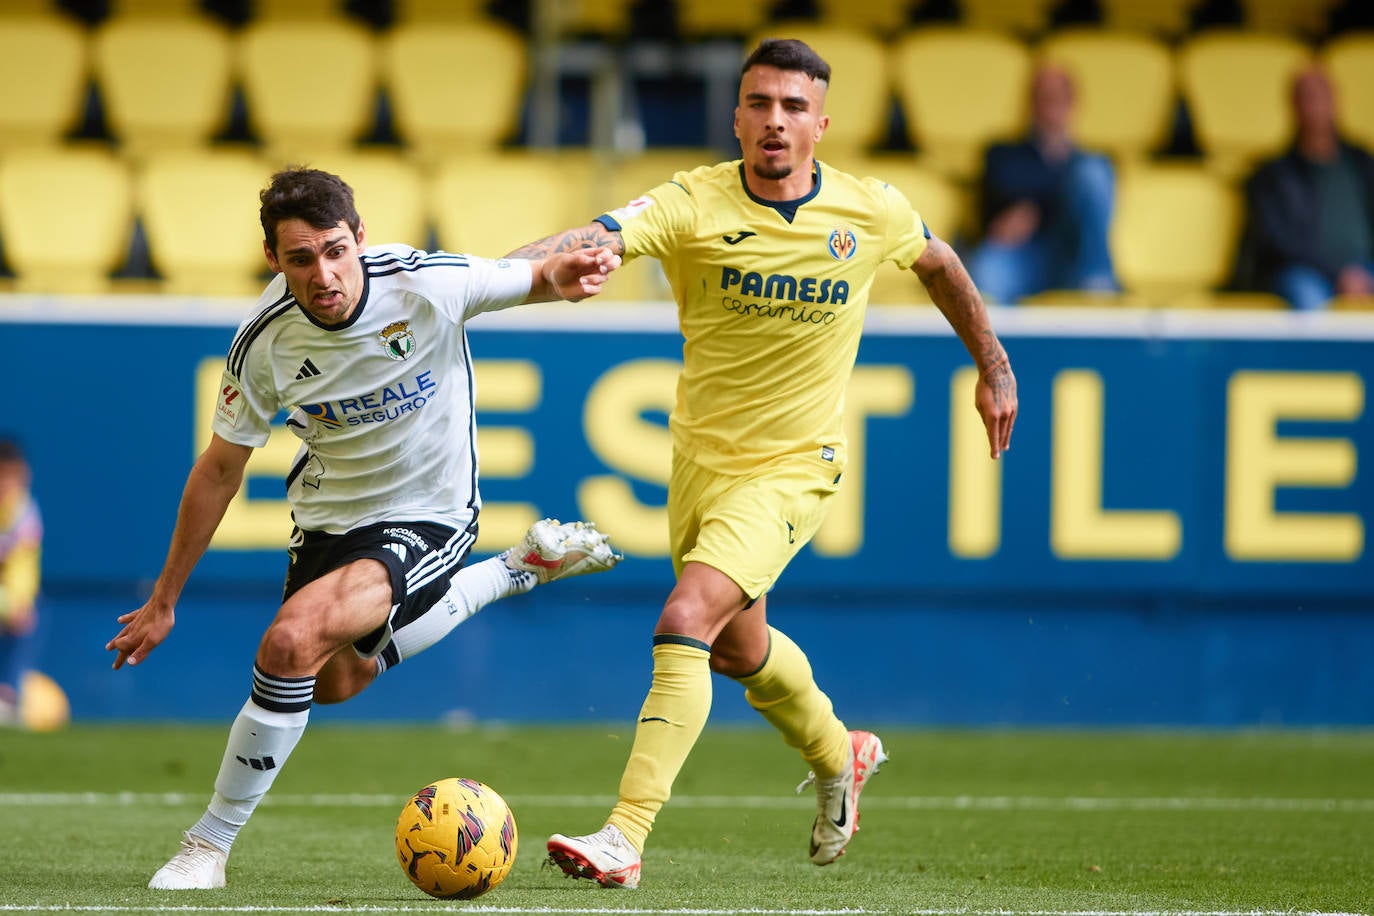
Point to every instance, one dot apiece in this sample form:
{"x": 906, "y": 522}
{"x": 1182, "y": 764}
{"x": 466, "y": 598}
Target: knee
{"x": 1093, "y": 175}
{"x": 990, "y": 272}
{"x": 1305, "y": 288}
{"x": 287, "y": 650}
{"x": 684, "y": 616}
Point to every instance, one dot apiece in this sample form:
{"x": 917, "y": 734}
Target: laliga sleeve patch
{"x": 230, "y": 404}
{"x": 633, "y": 208}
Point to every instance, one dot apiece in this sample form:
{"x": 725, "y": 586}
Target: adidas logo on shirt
{"x": 307, "y": 370}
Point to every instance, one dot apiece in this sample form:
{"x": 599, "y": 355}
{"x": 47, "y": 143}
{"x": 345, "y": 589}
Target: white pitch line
{"x": 634, "y": 911}
{"x": 871, "y": 802}
{"x": 469, "y": 908}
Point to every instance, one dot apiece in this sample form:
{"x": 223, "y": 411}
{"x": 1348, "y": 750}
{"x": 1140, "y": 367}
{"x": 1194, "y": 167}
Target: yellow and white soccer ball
{"x": 43, "y": 705}
{"x": 456, "y": 838}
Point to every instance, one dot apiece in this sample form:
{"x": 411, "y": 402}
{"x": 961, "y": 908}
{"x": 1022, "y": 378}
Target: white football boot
{"x": 605, "y": 857}
{"x": 196, "y": 866}
{"x": 552, "y": 550}
{"x": 837, "y": 798}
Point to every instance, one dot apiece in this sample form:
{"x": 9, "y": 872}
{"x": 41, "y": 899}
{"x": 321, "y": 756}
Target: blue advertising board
{"x": 1211, "y": 463}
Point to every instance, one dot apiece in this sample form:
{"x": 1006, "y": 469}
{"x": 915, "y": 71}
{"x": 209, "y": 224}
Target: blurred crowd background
{"x": 136, "y": 133}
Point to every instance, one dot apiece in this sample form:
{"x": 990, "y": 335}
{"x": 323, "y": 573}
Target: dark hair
{"x": 319, "y": 198}
{"x": 10, "y": 450}
{"x": 788, "y": 54}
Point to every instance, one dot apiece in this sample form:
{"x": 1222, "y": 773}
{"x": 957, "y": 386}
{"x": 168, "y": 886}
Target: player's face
{"x": 321, "y": 266}
{"x": 778, "y": 122}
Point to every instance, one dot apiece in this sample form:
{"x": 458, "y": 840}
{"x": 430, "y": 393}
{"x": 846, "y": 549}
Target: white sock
{"x": 260, "y": 740}
{"x": 472, "y": 588}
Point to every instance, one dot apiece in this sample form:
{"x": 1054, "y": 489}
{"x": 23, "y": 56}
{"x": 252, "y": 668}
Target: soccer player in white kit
{"x": 366, "y": 350}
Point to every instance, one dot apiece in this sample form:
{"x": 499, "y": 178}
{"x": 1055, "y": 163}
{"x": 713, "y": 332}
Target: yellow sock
{"x": 670, "y": 721}
{"x": 785, "y": 693}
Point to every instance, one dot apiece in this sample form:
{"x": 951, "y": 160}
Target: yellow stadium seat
{"x": 1353, "y": 303}
{"x": 604, "y": 18}
{"x": 296, "y": 106}
{"x": 1237, "y": 86}
{"x": 200, "y": 217}
{"x": 1021, "y": 17}
{"x": 1124, "y": 88}
{"x": 149, "y": 9}
{"x": 454, "y": 87}
{"x": 439, "y": 10}
{"x": 388, "y": 190}
{"x": 1175, "y": 231}
{"x": 859, "y": 96}
{"x": 66, "y": 216}
{"x": 882, "y": 17}
{"x": 46, "y": 55}
{"x": 1167, "y": 19}
{"x": 942, "y": 204}
{"x": 960, "y": 89}
{"x": 618, "y": 182}
{"x": 165, "y": 82}
{"x": 490, "y": 203}
{"x": 1292, "y": 17}
{"x": 298, "y": 10}
{"x": 712, "y": 18}
{"x": 1349, "y": 60}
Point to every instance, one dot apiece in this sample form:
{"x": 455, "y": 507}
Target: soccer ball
{"x": 456, "y": 838}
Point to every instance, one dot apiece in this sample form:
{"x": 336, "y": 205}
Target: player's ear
{"x": 821, "y": 124}
{"x": 362, "y": 235}
{"x": 271, "y": 257}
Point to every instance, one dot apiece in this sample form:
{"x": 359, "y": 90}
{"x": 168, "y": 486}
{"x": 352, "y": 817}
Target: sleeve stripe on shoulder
{"x": 238, "y": 351}
{"x": 383, "y": 265}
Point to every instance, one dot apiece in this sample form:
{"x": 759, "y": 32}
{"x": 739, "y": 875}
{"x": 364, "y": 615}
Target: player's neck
{"x": 796, "y": 185}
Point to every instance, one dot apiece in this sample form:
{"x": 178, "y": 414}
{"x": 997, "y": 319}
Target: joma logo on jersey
{"x": 842, "y": 244}
{"x": 785, "y": 287}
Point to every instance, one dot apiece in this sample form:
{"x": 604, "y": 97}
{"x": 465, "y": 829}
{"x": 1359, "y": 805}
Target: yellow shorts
{"x": 750, "y": 526}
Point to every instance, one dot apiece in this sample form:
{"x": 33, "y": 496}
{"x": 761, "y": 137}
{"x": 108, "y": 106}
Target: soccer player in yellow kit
{"x": 770, "y": 259}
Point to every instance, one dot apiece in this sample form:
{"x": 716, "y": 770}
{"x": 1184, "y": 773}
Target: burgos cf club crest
{"x": 397, "y": 340}
{"x": 842, "y": 244}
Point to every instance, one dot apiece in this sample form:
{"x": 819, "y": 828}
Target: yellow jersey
{"x": 771, "y": 298}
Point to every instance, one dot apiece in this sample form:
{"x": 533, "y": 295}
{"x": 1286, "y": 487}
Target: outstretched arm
{"x": 953, "y": 292}
{"x": 592, "y": 235}
{"x": 573, "y": 275}
{"x": 212, "y": 483}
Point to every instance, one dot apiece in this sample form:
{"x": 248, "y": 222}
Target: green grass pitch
{"x": 1020, "y": 823}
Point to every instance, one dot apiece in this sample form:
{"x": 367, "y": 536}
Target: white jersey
{"x": 383, "y": 405}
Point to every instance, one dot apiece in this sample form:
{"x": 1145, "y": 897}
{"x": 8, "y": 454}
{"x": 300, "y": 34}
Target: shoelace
{"x": 191, "y": 858}
{"x": 810, "y": 780}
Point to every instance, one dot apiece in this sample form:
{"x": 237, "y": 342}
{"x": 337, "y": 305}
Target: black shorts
{"x": 420, "y": 556}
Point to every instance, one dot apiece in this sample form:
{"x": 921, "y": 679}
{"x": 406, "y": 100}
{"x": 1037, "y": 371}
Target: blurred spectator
{"x": 1046, "y": 203}
{"x": 1311, "y": 211}
{"x": 21, "y": 534}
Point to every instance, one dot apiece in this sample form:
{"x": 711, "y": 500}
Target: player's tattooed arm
{"x": 953, "y": 292}
{"x": 592, "y": 235}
